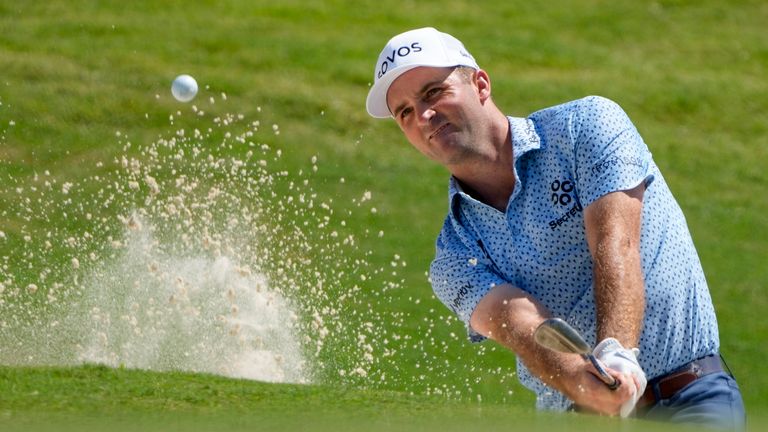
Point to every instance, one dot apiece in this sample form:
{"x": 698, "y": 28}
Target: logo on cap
{"x": 403, "y": 51}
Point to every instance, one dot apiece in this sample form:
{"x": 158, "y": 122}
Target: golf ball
{"x": 184, "y": 88}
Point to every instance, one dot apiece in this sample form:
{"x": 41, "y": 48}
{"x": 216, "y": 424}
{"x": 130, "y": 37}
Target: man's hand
{"x": 611, "y": 353}
{"x": 510, "y": 316}
{"x": 590, "y": 393}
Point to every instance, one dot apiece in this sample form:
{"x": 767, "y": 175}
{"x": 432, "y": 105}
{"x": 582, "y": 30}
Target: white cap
{"x": 414, "y": 48}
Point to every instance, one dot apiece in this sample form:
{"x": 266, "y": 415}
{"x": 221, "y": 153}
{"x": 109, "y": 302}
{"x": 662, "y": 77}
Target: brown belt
{"x": 666, "y": 386}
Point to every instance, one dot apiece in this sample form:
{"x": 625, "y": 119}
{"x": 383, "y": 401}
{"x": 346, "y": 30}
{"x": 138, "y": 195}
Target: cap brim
{"x": 376, "y": 103}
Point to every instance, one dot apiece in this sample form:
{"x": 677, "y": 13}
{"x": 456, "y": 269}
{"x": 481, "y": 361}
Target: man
{"x": 565, "y": 214}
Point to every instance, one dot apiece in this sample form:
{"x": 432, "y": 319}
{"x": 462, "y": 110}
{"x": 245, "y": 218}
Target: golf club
{"x": 558, "y": 335}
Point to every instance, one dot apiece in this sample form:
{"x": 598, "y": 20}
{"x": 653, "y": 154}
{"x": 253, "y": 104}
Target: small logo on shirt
{"x": 530, "y": 131}
{"x": 563, "y": 195}
{"x": 460, "y": 296}
{"x": 562, "y": 192}
{"x": 617, "y": 161}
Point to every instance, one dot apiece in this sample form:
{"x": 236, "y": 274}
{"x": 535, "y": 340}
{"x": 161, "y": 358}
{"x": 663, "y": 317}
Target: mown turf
{"x": 99, "y": 398}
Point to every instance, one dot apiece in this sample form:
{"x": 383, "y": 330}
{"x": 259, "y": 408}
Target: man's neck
{"x": 490, "y": 179}
{"x": 492, "y": 188}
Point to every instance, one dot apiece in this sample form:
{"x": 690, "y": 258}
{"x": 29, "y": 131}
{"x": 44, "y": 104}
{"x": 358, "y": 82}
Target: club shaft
{"x": 609, "y": 380}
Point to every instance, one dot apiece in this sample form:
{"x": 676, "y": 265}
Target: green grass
{"x": 690, "y": 74}
{"x": 97, "y": 398}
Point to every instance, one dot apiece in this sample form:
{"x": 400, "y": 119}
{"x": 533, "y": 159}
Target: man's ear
{"x": 483, "y": 83}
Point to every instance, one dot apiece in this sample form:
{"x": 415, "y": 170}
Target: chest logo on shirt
{"x": 561, "y": 192}
{"x": 563, "y": 195}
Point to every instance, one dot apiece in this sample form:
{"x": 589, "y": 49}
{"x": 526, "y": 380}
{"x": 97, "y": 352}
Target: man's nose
{"x": 426, "y": 113}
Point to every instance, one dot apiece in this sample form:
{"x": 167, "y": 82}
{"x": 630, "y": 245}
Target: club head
{"x": 558, "y": 335}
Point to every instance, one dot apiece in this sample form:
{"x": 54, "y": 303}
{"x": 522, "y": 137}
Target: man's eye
{"x": 431, "y": 92}
{"x": 405, "y": 112}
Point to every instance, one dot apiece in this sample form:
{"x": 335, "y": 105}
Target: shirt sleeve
{"x": 610, "y": 153}
{"x": 461, "y": 275}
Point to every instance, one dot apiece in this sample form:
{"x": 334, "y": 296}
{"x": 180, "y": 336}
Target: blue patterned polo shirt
{"x": 565, "y": 158}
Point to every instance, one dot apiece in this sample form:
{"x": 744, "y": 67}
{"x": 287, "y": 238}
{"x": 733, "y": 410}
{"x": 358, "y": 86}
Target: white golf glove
{"x": 612, "y": 354}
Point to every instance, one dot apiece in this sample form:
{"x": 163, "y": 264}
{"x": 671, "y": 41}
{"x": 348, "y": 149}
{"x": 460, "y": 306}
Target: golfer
{"x": 560, "y": 214}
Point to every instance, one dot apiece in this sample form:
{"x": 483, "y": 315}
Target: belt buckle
{"x": 695, "y": 368}
{"x": 667, "y": 386}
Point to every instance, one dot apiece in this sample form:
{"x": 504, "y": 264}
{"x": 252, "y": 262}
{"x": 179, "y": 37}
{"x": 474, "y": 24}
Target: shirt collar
{"x": 524, "y": 139}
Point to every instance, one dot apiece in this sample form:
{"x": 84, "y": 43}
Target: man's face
{"x": 439, "y": 111}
